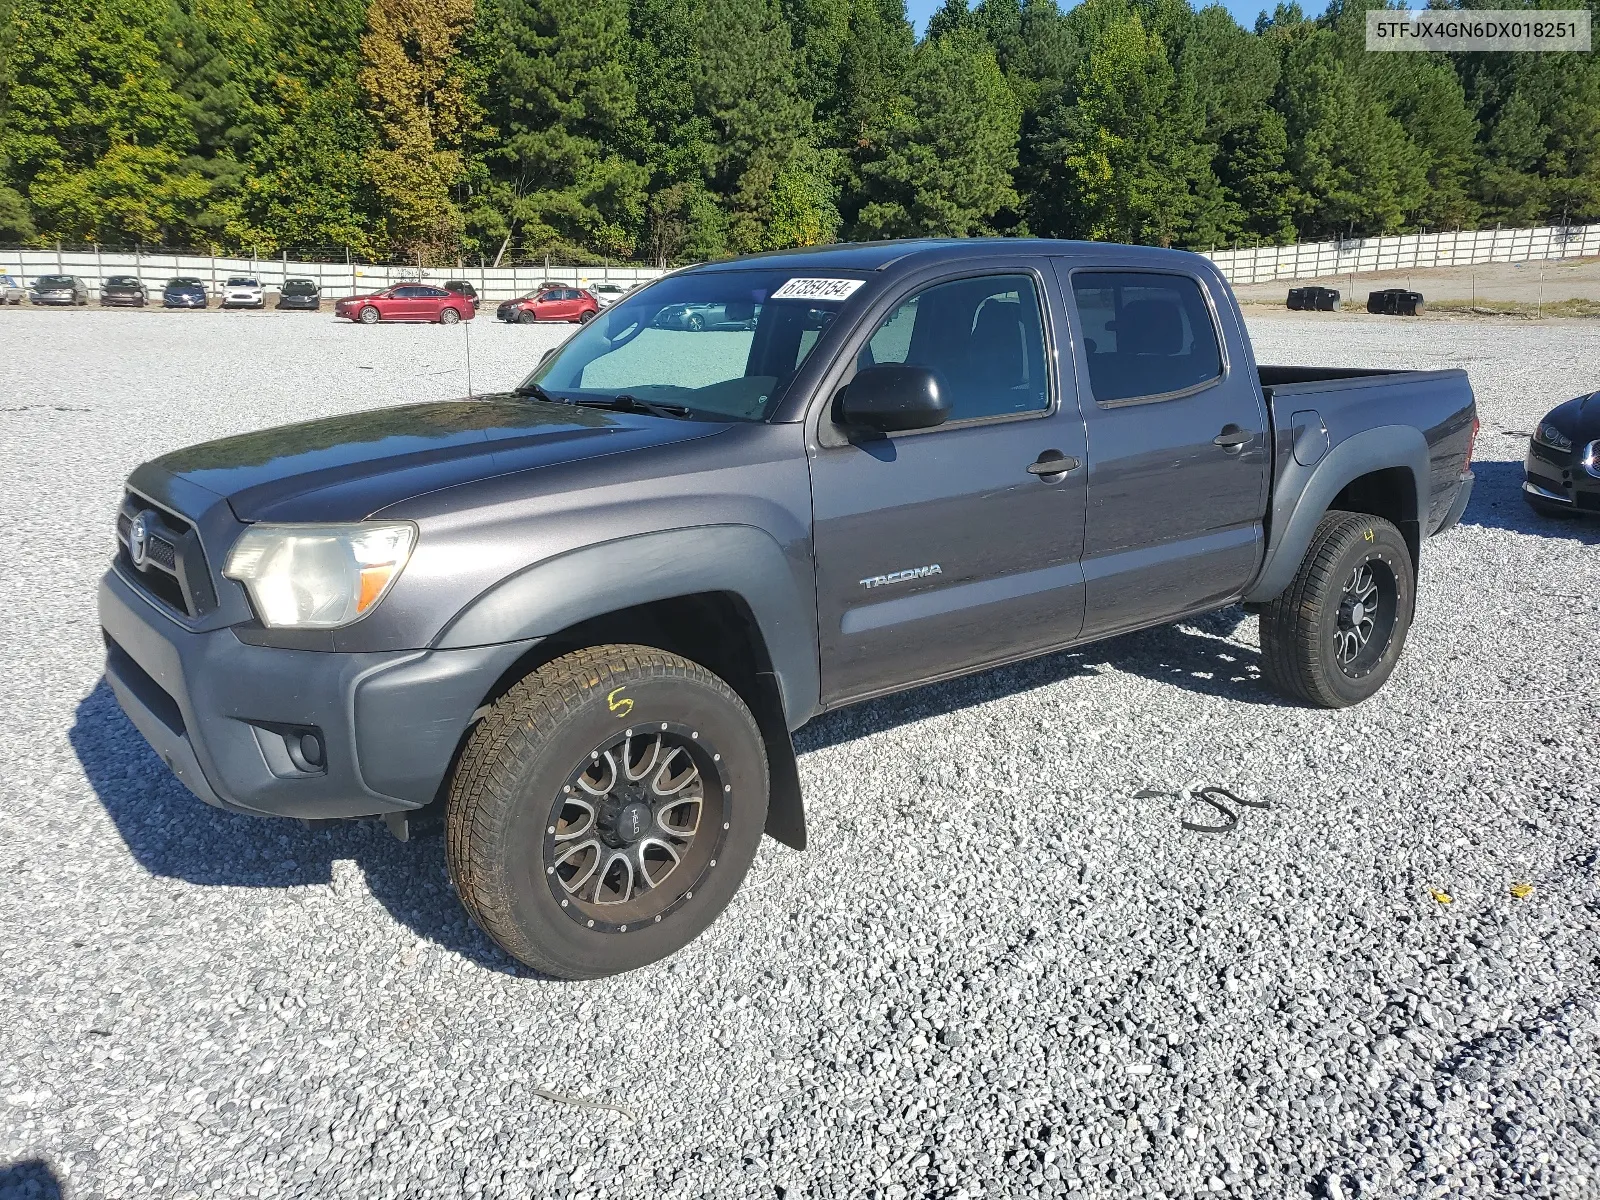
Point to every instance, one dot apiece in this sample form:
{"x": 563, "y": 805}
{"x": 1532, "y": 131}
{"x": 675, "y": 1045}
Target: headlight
{"x": 318, "y": 576}
{"x": 1548, "y": 435}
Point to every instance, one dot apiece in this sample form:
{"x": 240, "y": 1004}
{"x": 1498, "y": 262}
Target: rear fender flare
{"x": 1303, "y": 494}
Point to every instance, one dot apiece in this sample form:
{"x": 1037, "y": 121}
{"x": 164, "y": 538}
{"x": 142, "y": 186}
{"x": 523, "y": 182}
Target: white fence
{"x": 1411, "y": 251}
{"x": 1262, "y": 264}
{"x": 335, "y": 279}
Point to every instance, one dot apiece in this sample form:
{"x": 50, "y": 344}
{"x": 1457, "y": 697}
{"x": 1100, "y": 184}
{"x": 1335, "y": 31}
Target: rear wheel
{"x": 449, "y": 316}
{"x": 586, "y": 316}
{"x": 1334, "y": 635}
{"x": 370, "y": 315}
{"x": 606, "y": 810}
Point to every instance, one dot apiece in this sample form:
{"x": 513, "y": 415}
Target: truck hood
{"x": 346, "y": 468}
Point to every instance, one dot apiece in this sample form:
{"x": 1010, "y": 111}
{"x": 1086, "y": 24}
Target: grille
{"x": 174, "y": 569}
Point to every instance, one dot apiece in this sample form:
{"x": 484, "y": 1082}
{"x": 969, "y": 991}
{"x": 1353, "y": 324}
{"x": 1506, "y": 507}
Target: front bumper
{"x": 55, "y": 298}
{"x": 244, "y": 302}
{"x": 123, "y": 299}
{"x": 1560, "y": 478}
{"x": 182, "y": 302}
{"x": 298, "y": 302}
{"x": 227, "y": 717}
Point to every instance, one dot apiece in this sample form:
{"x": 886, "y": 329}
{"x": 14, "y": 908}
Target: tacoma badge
{"x": 901, "y": 576}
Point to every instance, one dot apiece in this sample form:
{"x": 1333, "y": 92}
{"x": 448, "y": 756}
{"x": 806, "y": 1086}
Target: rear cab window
{"x": 1146, "y": 335}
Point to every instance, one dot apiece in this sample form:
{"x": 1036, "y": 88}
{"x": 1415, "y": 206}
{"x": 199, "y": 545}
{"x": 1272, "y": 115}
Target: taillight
{"x": 1472, "y": 444}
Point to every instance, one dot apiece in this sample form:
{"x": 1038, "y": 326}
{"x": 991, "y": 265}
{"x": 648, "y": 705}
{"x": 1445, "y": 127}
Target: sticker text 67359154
{"x": 817, "y": 289}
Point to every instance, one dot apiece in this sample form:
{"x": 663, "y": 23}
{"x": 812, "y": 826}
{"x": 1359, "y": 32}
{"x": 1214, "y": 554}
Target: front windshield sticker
{"x": 817, "y": 289}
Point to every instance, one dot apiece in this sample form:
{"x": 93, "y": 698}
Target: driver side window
{"x": 983, "y": 337}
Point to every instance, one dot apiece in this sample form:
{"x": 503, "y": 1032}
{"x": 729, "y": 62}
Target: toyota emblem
{"x": 139, "y": 539}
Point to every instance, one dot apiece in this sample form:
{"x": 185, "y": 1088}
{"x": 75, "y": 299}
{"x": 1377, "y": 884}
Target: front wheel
{"x": 1334, "y": 635}
{"x": 606, "y": 810}
{"x": 370, "y": 316}
{"x": 526, "y": 317}
{"x": 694, "y": 323}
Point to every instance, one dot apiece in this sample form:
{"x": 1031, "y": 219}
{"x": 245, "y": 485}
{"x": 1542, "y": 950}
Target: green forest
{"x": 674, "y": 130}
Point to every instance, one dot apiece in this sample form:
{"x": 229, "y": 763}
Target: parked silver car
{"x": 59, "y": 289}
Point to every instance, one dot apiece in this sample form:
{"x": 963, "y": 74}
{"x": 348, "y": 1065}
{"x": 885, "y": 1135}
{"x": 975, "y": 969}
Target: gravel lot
{"x": 997, "y": 973}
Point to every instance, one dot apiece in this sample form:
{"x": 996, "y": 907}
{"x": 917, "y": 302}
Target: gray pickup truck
{"x": 580, "y": 620}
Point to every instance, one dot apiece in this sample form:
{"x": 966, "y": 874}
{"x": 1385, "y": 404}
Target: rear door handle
{"x": 1053, "y": 463}
{"x": 1232, "y": 436}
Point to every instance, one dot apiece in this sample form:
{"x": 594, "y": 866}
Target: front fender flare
{"x": 559, "y": 592}
{"x": 1303, "y": 494}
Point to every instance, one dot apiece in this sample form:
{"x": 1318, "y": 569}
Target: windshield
{"x": 55, "y": 281}
{"x": 184, "y": 283}
{"x": 722, "y": 344}
{"x": 122, "y": 281}
{"x": 240, "y": 281}
{"x": 299, "y": 287}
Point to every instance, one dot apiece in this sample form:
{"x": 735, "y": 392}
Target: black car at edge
{"x": 1562, "y": 470}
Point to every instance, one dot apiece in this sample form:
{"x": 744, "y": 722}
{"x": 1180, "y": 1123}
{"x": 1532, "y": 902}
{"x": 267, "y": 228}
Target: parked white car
{"x": 11, "y": 291}
{"x": 243, "y": 292}
{"x": 607, "y": 293}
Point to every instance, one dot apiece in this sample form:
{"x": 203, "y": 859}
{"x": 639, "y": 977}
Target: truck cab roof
{"x": 909, "y": 253}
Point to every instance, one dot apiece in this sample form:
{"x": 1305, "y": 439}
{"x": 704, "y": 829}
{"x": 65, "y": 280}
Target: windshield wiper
{"x": 627, "y": 403}
{"x": 534, "y": 390}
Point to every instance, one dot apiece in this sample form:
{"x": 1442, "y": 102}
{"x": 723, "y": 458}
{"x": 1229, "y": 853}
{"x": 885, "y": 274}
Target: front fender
{"x": 1304, "y": 493}
{"x": 558, "y": 593}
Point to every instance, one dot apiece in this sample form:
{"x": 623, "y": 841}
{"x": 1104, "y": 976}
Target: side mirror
{"x": 891, "y": 397}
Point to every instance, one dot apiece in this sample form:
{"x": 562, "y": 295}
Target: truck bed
{"x": 1439, "y": 403}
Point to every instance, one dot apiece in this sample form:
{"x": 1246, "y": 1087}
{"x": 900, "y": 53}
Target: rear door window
{"x": 1146, "y": 335}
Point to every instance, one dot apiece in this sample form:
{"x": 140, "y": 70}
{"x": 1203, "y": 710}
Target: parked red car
{"x": 406, "y": 302}
{"x": 555, "y": 303}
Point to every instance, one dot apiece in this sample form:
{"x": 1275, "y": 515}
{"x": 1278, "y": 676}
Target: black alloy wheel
{"x": 1333, "y": 636}
{"x": 636, "y": 827}
{"x": 605, "y": 811}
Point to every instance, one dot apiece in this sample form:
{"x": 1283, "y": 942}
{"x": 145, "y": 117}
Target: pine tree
{"x": 946, "y": 165}
{"x": 1235, "y": 76}
{"x": 422, "y": 109}
{"x": 94, "y": 131}
{"x": 746, "y": 87}
{"x": 564, "y": 107}
{"x": 1121, "y": 152}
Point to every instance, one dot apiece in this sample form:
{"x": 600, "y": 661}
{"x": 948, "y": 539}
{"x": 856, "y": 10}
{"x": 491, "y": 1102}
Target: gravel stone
{"x": 944, "y": 996}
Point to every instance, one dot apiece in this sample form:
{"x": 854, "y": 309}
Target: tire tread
{"x": 484, "y": 787}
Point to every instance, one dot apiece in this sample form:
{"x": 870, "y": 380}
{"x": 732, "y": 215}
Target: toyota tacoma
{"x": 579, "y": 620}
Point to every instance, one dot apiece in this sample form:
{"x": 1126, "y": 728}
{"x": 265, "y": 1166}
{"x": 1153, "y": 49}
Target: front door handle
{"x": 1232, "y": 436}
{"x": 1053, "y": 462}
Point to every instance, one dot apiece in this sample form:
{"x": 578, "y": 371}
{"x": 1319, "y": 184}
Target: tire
{"x": 449, "y": 316}
{"x": 694, "y": 323}
{"x": 369, "y": 316}
{"x": 585, "y": 317}
{"x": 509, "y": 794}
{"x": 525, "y": 317}
{"x": 1311, "y": 650}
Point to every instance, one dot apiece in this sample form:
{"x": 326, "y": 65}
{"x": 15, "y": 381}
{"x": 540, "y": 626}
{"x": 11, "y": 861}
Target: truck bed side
{"x": 1393, "y": 443}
